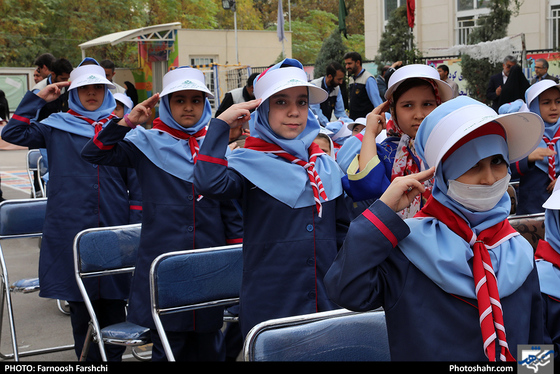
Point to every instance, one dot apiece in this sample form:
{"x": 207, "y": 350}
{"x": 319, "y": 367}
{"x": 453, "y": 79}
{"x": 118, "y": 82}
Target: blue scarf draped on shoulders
{"x": 286, "y": 182}
{"x": 549, "y": 274}
{"x": 167, "y": 152}
{"x": 74, "y": 125}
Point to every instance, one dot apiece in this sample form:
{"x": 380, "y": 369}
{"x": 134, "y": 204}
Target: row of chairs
{"x": 212, "y": 277}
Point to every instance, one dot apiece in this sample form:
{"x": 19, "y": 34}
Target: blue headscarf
{"x": 169, "y": 153}
{"x": 441, "y": 254}
{"x": 283, "y": 180}
{"x": 72, "y": 124}
{"x": 549, "y": 275}
{"x": 549, "y": 131}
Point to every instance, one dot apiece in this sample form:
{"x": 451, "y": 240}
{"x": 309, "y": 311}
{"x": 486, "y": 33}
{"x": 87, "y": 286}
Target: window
{"x": 204, "y": 63}
{"x": 468, "y": 11}
{"x": 390, "y": 6}
{"x": 554, "y": 26}
{"x": 464, "y": 27}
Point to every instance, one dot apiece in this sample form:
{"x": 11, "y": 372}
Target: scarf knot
{"x": 550, "y": 143}
{"x": 97, "y": 125}
{"x": 192, "y": 139}
{"x": 309, "y": 166}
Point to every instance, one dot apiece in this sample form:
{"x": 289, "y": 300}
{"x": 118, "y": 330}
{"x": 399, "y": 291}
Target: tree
{"x": 397, "y": 41}
{"x": 333, "y": 49}
{"x": 492, "y": 26}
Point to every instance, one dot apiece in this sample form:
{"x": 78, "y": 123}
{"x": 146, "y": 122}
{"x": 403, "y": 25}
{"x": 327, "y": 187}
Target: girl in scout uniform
{"x": 294, "y": 217}
{"x": 414, "y": 91}
{"x": 457, "y": 282}
{"x": 176, "y": 216}
{"x": 81, "y": 195}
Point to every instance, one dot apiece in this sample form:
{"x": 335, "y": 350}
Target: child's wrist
{"x": 129, "y": 122}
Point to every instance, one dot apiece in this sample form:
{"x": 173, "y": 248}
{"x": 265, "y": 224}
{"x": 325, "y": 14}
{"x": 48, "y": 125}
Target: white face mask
{"x": 478, "y": 197}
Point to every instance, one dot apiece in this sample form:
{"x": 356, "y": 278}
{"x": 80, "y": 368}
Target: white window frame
{"x": 554, "y": 24}
{"x": 461, "y": 33}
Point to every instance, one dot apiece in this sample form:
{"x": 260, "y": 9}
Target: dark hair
{"x": 333, "y": 67}
{"x": 544, "y": 62}
{"x": 46, "y": 59}
{"x": 355, "y": 56}
{"x": 62, "y": 66}
{"x": 444, "y": 68}
{"x": 107, "y": 64}
{"x": 251, "y": 79}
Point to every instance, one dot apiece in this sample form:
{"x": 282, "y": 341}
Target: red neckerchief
{"x": 546, "y": 252}
{"x": 97, "y": 125}
{"x": 489, "y": 307}
{"x": 552, "y": 159}
{"x": 191, "y": 138}
{"x": 314, "y": 151}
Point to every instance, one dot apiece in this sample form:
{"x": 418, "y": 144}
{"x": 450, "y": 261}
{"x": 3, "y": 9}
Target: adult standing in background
{"x": 541, "y": 71}
{"x": 109, "y": 67}
{"x": 331, "y": 82}
{"x": 44, "y": 64}
{"x": 362, "y": 87}
{"x": 443, "y": 71}
{"x": 494, "y": 89}
{"x": 238, "y": 95}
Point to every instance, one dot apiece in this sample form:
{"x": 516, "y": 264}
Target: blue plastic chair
{"x": 21, "y": 218}
{"x": 108, "y": 251}
{"x": 339, "y": 335}
{"x": 189, "y": 280}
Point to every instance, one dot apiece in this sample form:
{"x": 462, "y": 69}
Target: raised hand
{"x": 402, "y": 190}
{"x": 52, "y": 91}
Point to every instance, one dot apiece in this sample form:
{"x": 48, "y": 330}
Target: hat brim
{"x": 553, "y": 202}
{"x": 89, "y": 80}
{"x": 524, "y": 132}
{"x": 192, "y": 86}
{"x": 278, "y": 80}
{"x": 538, "y": 88}
{"x": 418, "y": 71}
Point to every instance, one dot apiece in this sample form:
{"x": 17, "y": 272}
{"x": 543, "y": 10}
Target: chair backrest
{"x": 33, "y": 156}
{"x": 195, "y": 279}
{"x": 531, "y": 226}
{"x": 339, "y": 335}
{"x": 106, "y": 250}
{"x": 22, "y": 217}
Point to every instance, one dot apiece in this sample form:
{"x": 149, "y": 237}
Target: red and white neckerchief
{"x": 546, "y": 252}
{"x": 97, "y": 125}
{"x": 191, "y": 138}
{"x": 550, "y": 143}
{"x": 489, "y": 307}
{"x": 309, "y": 166}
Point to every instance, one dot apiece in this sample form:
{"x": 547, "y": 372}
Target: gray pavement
{"x": 39, "y": 323}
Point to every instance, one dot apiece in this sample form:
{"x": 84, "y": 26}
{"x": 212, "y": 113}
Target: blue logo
{"x": 535, "y": 359}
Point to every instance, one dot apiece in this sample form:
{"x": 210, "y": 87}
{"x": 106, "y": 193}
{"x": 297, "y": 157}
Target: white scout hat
{"x": 538, "y": 88}
{"x": 185, "y": 78}
{"x": 88, "y": 74}
{"x": 127, "y": 101}
{"x": 274, "y": 81}
{"x": 418, "y": 71}
{"x": 453, "y": 120}
{"x": 358, "y": 121}
{"x": 553, "y": 202}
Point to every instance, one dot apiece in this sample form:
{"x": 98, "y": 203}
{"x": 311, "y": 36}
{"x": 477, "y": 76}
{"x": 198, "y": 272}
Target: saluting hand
{"x": 238, "y": 114}
{"x": 141, "y": 112}
{"x": 402, "y": 190}
{"x": 52, "y": 91}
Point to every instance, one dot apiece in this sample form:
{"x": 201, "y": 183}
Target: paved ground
{"x": 39, "y": 323}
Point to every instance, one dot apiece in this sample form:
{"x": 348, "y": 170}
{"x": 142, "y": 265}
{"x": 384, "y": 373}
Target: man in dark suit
{"x": 497, "y": 80}
{"x": 541, "y": 71}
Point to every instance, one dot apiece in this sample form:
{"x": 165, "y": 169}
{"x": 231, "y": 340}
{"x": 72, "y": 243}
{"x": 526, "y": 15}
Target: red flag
{"x": 410, "y": 7}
